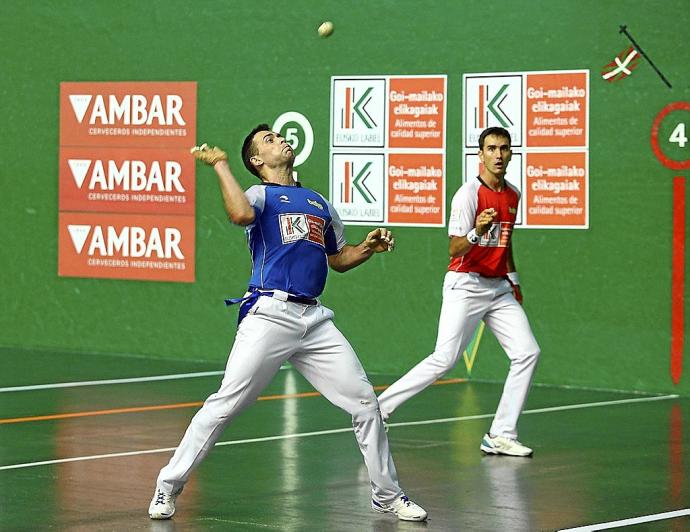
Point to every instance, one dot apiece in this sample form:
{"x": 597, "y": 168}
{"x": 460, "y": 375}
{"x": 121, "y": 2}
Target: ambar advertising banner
{"x": 126, "y": 246}
{"x": 127, "y": 180}
{"x": 137, "y": 180}
{"x": 128, "y": 114}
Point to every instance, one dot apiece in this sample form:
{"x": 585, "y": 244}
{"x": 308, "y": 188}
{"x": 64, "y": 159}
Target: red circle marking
{"x": 668, "y": 163}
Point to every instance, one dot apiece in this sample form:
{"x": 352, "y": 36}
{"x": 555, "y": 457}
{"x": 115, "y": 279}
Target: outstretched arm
{"x": 235, "y": 202}
{"x": 349, "y": 256}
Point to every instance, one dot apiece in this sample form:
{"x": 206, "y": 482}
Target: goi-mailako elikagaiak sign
{"x": 387, "y": 149}
{"x": 547, "y": 115}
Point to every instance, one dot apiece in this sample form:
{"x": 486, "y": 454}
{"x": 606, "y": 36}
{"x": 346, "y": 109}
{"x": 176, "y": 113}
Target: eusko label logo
{"x": 358, "y": 191}
{"x": 128, "y": 114}
{"x": 294, "y": 227}
{"x": 359, "y": 112}
{"x": 493, "y": 101}
{"x": 131, "y": 247}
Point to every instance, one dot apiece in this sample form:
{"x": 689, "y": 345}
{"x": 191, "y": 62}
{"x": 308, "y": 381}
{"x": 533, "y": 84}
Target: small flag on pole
{"x": 622, "y": 65}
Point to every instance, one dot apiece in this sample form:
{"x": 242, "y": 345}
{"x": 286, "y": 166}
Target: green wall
{"x": 599, "y": 300}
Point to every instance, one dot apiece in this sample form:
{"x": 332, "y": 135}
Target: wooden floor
{"x": 291, "y": 462}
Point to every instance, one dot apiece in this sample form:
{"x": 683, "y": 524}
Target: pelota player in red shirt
{"x": 481, "y": 284}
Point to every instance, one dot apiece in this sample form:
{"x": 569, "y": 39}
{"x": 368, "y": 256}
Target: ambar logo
{"x": 160, "y": 176}
{"x": 126, "y": 241}
{"x": 130, "y": 109}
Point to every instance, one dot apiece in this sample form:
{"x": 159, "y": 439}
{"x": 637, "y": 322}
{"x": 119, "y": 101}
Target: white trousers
{"x": 468, "y": 298}
{"x": 273, "y": 332}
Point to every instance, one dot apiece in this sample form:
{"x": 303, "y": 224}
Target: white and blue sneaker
{"x": 502, "y": 445}
{"x": 403, "y": 507}
{"x": 162, "y": 505}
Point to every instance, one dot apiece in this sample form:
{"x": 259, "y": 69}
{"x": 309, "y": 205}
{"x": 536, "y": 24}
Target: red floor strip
{"x": 178, "y": 405}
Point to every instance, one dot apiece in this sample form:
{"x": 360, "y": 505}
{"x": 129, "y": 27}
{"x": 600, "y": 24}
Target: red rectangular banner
{"x": 556, "y": 189}
{"x": 128, "y": 114}
{"x": 132, "y": 180}
{"x": 415, "y": 188}
{"x": 122, "y": 246}
{"x": 557, "y": 109}
{"x": 417, "y": 112}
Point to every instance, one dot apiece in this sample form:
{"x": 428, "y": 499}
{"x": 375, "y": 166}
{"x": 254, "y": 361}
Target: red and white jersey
{"x": 488, "y": 257}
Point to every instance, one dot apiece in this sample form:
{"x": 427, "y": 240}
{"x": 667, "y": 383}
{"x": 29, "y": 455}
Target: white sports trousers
{"x": 272, "y": 333}
{"x": 467, "y": 299}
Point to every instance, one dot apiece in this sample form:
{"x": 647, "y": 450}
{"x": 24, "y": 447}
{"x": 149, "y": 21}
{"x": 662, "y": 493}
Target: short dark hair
{"x": 498, "y": 131}
{"x": 249, "y": 149}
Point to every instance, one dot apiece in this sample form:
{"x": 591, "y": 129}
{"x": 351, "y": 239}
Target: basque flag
{"x": 622, "y": 65}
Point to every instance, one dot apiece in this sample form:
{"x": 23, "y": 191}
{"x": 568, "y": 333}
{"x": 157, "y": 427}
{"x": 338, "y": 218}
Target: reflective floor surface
{"x": 290, "y": 463}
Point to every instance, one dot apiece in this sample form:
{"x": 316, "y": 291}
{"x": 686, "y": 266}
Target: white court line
{"x": 540, "y": 410}
{"x": 337, "y": 431}
{"x": 116, "y": 381}
{"x": 110, "y": 381}
{"x": 171, "y": 449}
{"x": 631, "y": 521}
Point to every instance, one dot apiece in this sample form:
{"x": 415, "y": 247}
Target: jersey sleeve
{"x": 335, "y": 233}
{"x": 463, "y": 210}
{"x": 256, "y": 196}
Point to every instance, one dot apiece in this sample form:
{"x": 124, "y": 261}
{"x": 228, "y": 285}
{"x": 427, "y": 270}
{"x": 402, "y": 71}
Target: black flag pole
{"x": 624, "y": 29}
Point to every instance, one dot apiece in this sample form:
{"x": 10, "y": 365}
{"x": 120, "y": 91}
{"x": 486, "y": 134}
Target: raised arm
{"x": 349, "y": 256}
{"x": 237, "y": 207}
{"x": 460, "y": 245}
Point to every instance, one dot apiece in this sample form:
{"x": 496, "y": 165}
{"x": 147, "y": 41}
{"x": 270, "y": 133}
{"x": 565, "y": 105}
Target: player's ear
{"x": 256, "y": 161}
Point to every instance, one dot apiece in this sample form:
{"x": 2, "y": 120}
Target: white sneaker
{"x": 403, "y": 507}
{"x": 503, "y": 445}
{"x": 162, "y": 505}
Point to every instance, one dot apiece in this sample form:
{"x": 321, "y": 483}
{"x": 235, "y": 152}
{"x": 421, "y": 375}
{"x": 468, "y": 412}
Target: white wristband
{"x": 513, "y": 278}
{"x": 472, "y": 237}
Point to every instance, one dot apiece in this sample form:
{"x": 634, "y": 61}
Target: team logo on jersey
{"x": 284, "y": 199}
{"x": 315, "y": 204}
{"x": 498, "y": 236}
{"x": 512, "y": 210}
{"x": 294, "y": 227}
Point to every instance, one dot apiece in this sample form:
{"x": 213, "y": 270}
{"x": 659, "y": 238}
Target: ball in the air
{"x": 326, "y": 29}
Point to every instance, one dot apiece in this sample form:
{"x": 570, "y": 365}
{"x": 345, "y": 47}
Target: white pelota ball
{"x": 326, "y": 29}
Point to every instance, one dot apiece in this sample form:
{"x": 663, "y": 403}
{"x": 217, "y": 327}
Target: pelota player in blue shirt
{"x": 294, "y": 235}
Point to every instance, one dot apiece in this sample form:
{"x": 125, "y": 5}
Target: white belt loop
{"x": 280, "y": 295}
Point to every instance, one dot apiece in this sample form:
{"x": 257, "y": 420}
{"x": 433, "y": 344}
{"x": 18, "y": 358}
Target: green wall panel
{"x": 599, "y": 300}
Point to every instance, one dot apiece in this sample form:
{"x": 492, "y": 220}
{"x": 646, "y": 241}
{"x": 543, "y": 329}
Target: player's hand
{"x": 208, "y": 155}
{"x": 484, "y": 221}
{"x": 380, "y": 240}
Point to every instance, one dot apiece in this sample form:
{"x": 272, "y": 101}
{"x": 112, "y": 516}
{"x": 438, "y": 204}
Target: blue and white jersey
{"x": 294, "y": 230}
